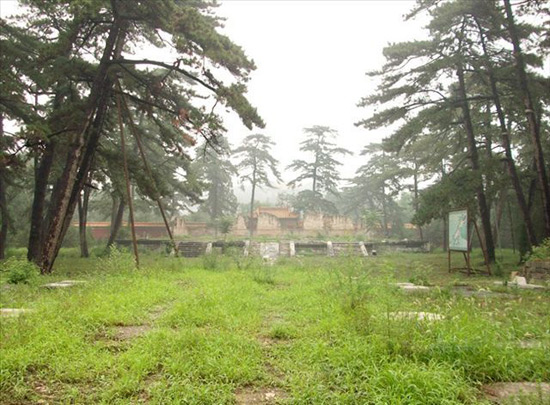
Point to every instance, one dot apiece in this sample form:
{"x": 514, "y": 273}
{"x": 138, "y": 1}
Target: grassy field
{"x": 222, "y": 330}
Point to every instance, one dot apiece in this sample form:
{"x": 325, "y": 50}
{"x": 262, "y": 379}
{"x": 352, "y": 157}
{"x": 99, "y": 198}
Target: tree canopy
{"x": 65, "y": 63}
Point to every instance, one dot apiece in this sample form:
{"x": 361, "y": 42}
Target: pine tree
{"x": 77, "y": 58}
{"x": 321, "y": 169}
{"x": 256, "y": 165}
{"x": 216, "y": 171}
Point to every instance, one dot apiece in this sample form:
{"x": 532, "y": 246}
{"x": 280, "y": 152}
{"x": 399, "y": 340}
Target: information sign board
{"x": 458, "y": 230}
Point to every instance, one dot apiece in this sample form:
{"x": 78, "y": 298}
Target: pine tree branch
{"x": 173, "y": 67}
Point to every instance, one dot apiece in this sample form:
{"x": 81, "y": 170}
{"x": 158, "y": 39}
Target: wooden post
{"x": 127, "y": 180}
{"x": 148, "y": 170}
{"x": 482, "y": 244}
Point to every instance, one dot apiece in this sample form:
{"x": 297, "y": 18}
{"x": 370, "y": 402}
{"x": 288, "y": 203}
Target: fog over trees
{"x": 466, "y": 113}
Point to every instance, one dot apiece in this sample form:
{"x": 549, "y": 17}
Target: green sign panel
{"x": 458, "y": 230}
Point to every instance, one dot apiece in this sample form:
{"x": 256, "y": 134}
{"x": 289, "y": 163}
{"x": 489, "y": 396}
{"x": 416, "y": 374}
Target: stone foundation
{"x": 537, "y": 270}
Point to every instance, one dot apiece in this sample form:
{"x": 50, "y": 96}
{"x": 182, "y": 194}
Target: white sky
{"x": 311, "y": 59}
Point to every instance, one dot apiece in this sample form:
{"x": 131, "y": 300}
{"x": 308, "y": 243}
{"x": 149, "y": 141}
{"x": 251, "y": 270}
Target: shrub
{"x": 541, "y": 252}
{"x": 116, "y": 261}
{"x": 352, "y": 282}
{"x": 241, "y": 261}
{"x": 263, "y": 274}
{"x": 211, "y": 261}
{"x": 420, "y": 274}
{"x": 20, "y": 270}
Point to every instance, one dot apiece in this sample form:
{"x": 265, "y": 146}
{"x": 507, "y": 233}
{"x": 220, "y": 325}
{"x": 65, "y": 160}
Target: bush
{"x": 20, "y": 270}
{"x": 211, "y": 261}
{"x": 420, "y": 274}
{"x": 20, "y": 252}
{"x": 117, "y": 261}
{"x": 264, "y": 274}
{"x": 541, "y": 252}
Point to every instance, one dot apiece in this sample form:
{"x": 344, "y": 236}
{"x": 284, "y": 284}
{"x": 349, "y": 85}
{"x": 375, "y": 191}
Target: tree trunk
{"x": 79, "y": 158}
{"x": 445, "y": 233}
{"x": 532, "y": 122}
{"x": 43, "y": 166}
{"x": 5, "y": 217}
{"x": 215, "y": 207}
{"x": 41, "y": 176}
{"x": 416, "y": 202}
{"x": 484, "y": 209}
{"x": 314, "y": 174}
{"x": 116, "y": 223}
{"x": 114, "y": 209}
{"x": 512, "y": 225}
{"x": 3, "y": 202}
{"x": 385, "y": 213}
{"x": 82, "y": 220}
{"x": 506, "y": 144}
{"x": 251, "y": 230}
{"x": 499, "y": 208}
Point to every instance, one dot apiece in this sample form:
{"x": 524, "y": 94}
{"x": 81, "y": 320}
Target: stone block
{"x": 63, "y": 284}
{"x": 420, "y": 316}
{"x": 14, "y": 312}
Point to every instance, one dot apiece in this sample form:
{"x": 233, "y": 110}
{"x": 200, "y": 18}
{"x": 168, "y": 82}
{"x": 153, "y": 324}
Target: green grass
{"x": 317, "y": 328}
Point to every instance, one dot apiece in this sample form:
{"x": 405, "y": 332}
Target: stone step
{"x": 284, "y": 249}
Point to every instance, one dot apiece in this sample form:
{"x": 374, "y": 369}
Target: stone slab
{"x": 520, "y": 281}
{"x": 532, "y": 287}
{"x": 64, "y": 284}
{"x": 269, "y": 251}
{"x": 522, "y": 286}
{"x": 530, "y": 344}
{"x": 414, "y": 288}
{"x": 330, "y": 249}
{"x": 363, "y": 249}
{"x": 481, "y": 293}
{"x": 499, "y": 391}
{"x": 420, "y": 316}
{"x": 13, "y": 312}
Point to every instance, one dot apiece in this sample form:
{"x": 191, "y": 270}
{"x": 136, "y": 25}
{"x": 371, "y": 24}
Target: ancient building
{"x": 277, "y": 222}
{"x": 266, "y": 221}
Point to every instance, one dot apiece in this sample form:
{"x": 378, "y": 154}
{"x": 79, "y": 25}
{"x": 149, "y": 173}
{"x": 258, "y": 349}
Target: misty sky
{"x": 311, "y": 59}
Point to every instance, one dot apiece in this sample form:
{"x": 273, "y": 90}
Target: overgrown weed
{"x": 333, "y": 335}
{"x": 19, "y": 270}
{"x": 117, "y": 260}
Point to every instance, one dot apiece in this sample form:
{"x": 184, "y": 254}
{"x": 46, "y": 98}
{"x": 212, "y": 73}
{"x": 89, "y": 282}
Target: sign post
{"x": 460, "y": 240}
{"x": 459, "y": 236}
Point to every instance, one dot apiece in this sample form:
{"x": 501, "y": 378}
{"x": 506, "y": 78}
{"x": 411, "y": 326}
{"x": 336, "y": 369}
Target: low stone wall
{"x": 311, "y": 248}
{"x": 303, "y": 248}
{"x": 192, "y": 249}
{"x": 150, "y": 243}
{"x": 537, "y": 270}
{"x": 401, "y": 246}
